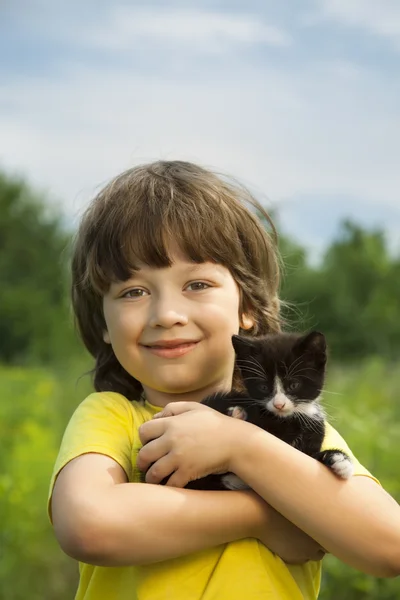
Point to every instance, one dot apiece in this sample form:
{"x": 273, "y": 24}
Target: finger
{"x": 178, "y": 479}
{"x": 151, "y": 430}
{"x": 177, "y": 408}
{"x": 160, "y": 469}
{"x": 150, "y": 453}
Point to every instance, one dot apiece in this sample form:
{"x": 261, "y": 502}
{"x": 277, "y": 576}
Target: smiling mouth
{"x": 172, "y": 351}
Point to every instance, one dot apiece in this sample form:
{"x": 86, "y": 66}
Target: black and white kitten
{"x": 284, "y": 376}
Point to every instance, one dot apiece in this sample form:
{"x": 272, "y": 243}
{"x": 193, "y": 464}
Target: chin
{"x": 174, "y": 389}
{"x": 186, "y": 387}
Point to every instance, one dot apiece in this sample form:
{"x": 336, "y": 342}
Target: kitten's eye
{"x": 293, "y": 386}
{"x": 263, "y": 387}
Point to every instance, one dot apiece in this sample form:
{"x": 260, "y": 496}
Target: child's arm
{"x": 101, "y": 519}
{"x": 356, "y": 520}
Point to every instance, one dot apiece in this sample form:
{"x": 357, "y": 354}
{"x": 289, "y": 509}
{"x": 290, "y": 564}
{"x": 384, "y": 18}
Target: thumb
{"x": 177, "y": 408}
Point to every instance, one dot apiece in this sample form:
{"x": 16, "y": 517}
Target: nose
{"x": 279, "y": 402}
{"x": 166, "y": 311}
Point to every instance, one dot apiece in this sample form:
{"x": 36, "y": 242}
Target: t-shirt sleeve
{"x": 333, "y": 440}
{"x": 102, "y": 423}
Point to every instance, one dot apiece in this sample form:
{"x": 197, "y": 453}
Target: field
{"x": 36, "y": 404}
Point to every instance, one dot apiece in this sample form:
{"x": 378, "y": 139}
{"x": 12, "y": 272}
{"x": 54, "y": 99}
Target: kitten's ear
{"x": 242, "y": 343}
{"x": 313, "y": 345}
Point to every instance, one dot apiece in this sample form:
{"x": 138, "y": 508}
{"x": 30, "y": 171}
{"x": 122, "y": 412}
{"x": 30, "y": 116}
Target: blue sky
{"x": 298, "y": 100}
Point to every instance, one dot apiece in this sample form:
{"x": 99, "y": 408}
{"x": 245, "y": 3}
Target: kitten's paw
{"x": 237, "y": 412}
{"x": 233, "y": 482}
{"x": 342, "y": 465}
{"x": 339, "y": 462}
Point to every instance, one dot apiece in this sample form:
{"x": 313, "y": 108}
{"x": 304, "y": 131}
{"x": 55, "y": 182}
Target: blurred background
{"x": 301, "y": 103}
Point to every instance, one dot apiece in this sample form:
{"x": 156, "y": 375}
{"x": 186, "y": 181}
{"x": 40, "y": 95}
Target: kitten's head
{"x": 283, "y": 372}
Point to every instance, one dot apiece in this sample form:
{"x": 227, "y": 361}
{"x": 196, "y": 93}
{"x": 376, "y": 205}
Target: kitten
{"x": 283, "y": 375}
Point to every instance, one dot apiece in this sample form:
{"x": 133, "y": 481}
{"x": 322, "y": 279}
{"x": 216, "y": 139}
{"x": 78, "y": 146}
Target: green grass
{"x": 34, "y": 410}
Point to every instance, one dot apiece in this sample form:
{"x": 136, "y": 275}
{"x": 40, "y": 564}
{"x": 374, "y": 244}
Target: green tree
{"x": 34, "y": 318}
{"x": 354, "y": 274}
{"x": 352, "y": 296}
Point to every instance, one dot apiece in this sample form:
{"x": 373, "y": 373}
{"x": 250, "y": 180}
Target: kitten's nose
{"x": 279, "y": 403}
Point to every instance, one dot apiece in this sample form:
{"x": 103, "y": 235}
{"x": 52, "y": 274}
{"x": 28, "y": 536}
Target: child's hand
{"x": 188, "y": 440}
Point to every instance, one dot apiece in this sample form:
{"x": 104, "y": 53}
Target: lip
{"x": 170, "y": 343}
{"x": 173, "y": 351}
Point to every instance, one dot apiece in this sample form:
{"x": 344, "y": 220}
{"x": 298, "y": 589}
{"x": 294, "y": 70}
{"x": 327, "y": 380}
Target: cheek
{"x": 223, "y": 314}
{"x": 121, "y": 324}
{"x": 225, "y": 323}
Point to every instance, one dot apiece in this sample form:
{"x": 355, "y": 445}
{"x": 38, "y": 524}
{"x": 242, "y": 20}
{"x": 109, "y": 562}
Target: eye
{"x": 133, "y": 293}
{"x": 263, "y": 387}
{"x": 203, "y": 285}
{"x": 293, "y": 386}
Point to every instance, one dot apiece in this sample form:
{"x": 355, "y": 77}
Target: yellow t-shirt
{"x": 107, "y": 423}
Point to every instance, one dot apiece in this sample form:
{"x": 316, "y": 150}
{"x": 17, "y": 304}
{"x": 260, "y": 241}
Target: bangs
{"x": 146, "y": 228}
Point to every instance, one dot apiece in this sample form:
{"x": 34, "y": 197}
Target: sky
{"x": 300, "y": 101}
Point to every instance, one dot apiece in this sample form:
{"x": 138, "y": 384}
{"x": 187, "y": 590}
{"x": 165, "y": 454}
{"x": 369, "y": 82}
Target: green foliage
{"x": 352, "y": 296}
{"x": 364, "y": 409}
{"x": 33, "y": 415}
{"x": 36, "y": 406}
{"x": 34, "y": 316}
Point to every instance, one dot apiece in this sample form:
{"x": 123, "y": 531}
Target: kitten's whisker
{"x": 308, "y": 421}
{"x": 249, "y": 378}
{"x": 284, "y": 365}
{"x": 327, "y": 414}
{"x": 330, "y": 418}
{"x": 300, "y": 373}
{"x": 300, "y": 416}
{"x": 294, "y": 364}
{"x": 260, "y": 365}
{"x": 253, "y": 370}
{"x": 264, "y": 410}
{"x": 307, "y": 377}
{"x": 296, "y": 361}
{"x": 247, "y": 360}
{"x": 297, "y": 369}
{"x": 247, "y": 364}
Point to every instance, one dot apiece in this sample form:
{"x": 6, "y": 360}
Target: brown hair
{"x": 135, "y": 216}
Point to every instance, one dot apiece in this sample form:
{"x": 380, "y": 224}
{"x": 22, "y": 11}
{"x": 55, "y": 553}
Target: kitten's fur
{"x": 284, "y": 375}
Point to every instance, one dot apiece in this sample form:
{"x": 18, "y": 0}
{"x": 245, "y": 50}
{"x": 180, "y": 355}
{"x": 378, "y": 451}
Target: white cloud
{"x": 127, "y": 25}
{"x": 306, "y": 132}
{"x": 379, "y": 17}
{"x": 318, "y": 129}
{"x": 119, "y": 28}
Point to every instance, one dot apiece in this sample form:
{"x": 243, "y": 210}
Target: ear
{"x": 313, "y": 345}
{"x": 242, "y": 343}
{"x": 106, "y": 337}
{"x": 246, "y": 322}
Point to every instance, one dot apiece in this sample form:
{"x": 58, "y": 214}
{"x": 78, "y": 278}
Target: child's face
{"x": 194, "y": 302}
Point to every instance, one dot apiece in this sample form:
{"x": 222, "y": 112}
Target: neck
{"x": 161, "y": 399}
